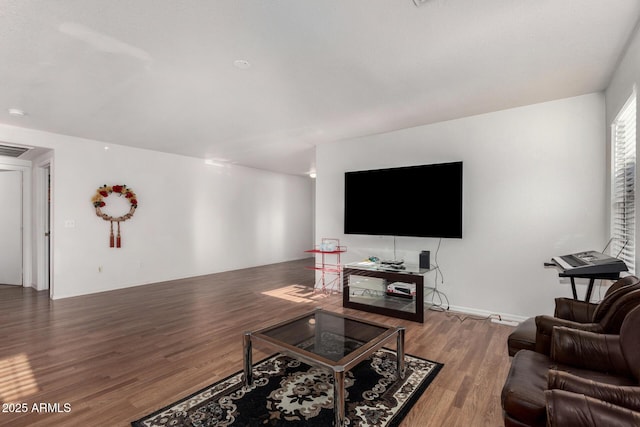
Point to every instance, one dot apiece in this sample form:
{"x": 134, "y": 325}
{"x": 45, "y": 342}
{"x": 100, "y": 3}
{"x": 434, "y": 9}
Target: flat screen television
{"x": 420, "y": 201}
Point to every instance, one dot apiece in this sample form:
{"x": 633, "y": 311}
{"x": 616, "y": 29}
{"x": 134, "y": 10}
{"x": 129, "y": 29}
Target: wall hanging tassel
{"x": 111, "y": 236}
{"x": 118, "y": 241}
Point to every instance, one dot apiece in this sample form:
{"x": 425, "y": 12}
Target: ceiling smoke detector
{"x": 243, "y": 64}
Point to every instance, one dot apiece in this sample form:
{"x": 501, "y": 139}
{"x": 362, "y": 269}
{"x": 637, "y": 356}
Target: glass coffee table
{"x": 331, "y": 340}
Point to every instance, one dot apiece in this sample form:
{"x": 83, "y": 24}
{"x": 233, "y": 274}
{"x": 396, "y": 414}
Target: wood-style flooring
{"x": 110, "y": 358}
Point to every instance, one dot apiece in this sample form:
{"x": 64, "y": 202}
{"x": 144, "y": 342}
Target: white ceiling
{"x": 159, "y": 74}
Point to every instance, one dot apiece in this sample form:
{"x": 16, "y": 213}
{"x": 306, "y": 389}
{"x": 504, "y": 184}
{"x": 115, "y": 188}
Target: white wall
{"x": 626, "y": 77}
{"x": 192, "y": 218}
{"x": 11, "y": 227}
{"x": 534, "y": 187}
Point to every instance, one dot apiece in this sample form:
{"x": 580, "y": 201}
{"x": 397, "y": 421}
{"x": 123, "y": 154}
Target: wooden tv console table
{"x": 365, "y": 285}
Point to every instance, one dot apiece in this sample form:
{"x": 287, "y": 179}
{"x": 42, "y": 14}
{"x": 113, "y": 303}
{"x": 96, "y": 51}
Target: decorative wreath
{"x": 120, "y": 190}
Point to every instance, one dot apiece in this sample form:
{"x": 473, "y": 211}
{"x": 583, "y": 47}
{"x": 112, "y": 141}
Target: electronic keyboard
{"x": 589, "y": 263}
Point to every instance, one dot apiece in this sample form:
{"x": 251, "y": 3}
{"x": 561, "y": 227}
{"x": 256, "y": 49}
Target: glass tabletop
{"x": 329, "y": 335}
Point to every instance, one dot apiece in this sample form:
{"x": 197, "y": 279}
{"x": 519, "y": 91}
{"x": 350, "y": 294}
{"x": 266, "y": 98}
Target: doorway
{"x": 36, "y": 201}
{"x": 17, "y": 173}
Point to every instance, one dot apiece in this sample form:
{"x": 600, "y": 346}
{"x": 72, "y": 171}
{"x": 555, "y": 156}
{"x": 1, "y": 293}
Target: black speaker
{"x": 424, "y": 259}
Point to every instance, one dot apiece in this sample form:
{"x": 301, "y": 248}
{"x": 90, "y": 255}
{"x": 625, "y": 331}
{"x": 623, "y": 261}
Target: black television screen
{"x": 420, "y": 201}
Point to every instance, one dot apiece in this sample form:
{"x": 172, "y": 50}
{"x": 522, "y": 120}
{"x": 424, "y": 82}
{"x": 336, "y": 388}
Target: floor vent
{"x": 12, "y": 151}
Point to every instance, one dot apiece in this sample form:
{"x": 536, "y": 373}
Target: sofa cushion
{"x": 523, "y": 392}
{"x": 523, "y": 337}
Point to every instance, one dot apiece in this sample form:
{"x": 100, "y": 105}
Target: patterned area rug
{"x": 287, "y": 392}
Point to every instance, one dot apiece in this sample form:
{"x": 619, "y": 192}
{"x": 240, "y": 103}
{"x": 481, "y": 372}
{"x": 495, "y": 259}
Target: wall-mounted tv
{"x": 420, "y": 201}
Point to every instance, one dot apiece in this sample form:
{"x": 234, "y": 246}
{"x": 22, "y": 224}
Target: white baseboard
{"x": 505, "y": 322}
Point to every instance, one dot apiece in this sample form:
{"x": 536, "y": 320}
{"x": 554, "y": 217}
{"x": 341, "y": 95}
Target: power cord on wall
{"x": 436, "y": 293}
{"x": 604, "y": 250}
{"x": 464, "y": 317}
{"x": 441, "y": 297}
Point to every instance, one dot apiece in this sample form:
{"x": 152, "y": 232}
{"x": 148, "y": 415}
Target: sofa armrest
{"x": 625, "y": 396}
{"x": 588, "y": 350}
{"x": 570, "y": 409}
{"x": 574, "y": 310}
{"x": 544, "y": 329}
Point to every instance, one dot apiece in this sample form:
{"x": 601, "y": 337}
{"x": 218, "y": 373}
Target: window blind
{"x": 623, "y": 213}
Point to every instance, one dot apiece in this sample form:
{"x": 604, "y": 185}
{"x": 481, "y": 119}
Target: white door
{"x": 10, "y": 227}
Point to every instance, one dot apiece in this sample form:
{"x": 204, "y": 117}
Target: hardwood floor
{"x": 110, "y": 358}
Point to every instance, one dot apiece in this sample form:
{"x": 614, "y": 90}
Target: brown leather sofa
{"x": 604, "y": 366}
{"x": 528, "y": 336}
{"x": 565, "y": 409}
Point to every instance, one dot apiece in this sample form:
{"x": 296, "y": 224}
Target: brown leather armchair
{"x": 588, "y": 312}
{"x": 525, "y": 336}
{"x": 572, "y": 409}
{"x": 606, "y": 367}
{"x": 607, "y": 319}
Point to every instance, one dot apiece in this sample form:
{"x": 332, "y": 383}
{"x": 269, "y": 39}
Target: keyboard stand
{"x": 592, "y": 278}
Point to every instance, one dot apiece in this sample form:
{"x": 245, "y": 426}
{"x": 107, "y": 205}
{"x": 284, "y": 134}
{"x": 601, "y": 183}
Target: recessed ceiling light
{"x": 17, "y": 112}
{"x": 243, "y": 64}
